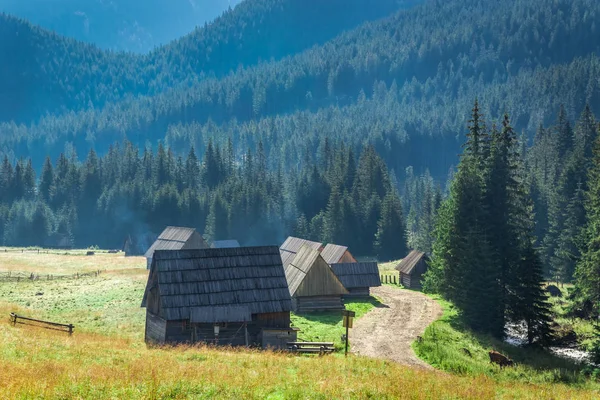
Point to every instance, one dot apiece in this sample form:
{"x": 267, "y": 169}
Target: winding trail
{"x": 388, "y": 330}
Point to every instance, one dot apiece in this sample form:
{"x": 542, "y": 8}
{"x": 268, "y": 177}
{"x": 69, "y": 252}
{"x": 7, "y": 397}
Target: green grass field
{"x": 327, "y": 326}
{"x": 106, "y": 358}
{"x": 449, "y": 346}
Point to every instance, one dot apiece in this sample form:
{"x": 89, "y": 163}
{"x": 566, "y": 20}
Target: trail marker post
{"x": 348, "y": 319}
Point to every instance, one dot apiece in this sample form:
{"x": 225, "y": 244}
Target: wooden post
{"x": 347, "y": 332}
{"x": 246, "y": 333}
{"x": 71, "y": 329}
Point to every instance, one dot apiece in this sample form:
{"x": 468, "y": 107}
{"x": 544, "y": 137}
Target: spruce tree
{"x": 46, "y": 184}
{"x": 587, "y": 274}
{"x": 390, "y": 239}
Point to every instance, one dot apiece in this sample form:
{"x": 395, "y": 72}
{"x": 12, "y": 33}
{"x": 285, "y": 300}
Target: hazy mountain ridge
{"x": 429, "y": 53}
{"x": 52, "y": 74}
{"x": 129, "y": 25}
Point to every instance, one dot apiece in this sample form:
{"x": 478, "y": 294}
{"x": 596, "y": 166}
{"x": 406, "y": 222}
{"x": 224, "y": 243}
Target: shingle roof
{"x": 217, "y": 314}
{"x": 225, "y": 244}
{"x": 296, "y": 270}
{"x": 321, "y": 280}
{"x": 294, "y": 244}
{"x": 191, "y": 282}
{"x": 357, "y": 275}
{"x": 410, "y": 261}
{"x": 332, "y": 253}
{"x": 172, "y": 238}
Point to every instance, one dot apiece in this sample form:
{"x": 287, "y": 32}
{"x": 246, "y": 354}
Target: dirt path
{"x": 388, "y": 331}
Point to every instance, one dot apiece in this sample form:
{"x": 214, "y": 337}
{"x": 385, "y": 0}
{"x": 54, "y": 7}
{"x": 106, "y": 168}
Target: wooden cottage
{"x": 176, "y": 238}
{"x": 334, "y": 254}
{"x": 137, "y": 245}
{"x": 312, "y": 284}
{"x": 357, "y": 278}
{"x": 292, "y": 246}
{"x": 231, "y": 296}
{"x": 412, "y": 268}
{"x": 224, "y": 244}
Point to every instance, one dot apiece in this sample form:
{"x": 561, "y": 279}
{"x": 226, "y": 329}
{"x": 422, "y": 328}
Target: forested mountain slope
{"x": 48, "y": 73}
{"x": 409, "y": 77}
{"x": 129, "y": 25}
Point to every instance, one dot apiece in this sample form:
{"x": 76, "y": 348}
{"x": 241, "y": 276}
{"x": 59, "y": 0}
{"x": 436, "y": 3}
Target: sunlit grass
{"x": 106, "y": 358}
{"x": 328, "y": 326}
{"x": 64, "y": 263}
{"x": 44, "y": 364}
{"x": 449, "y": 346}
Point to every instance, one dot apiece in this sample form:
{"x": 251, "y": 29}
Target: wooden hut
{"x": 357, "y": 277}
{"x": 231, "y": 296}
{"x": 176, "y": 238}
{"x": 224, "y": 244}
{"x": 412, "y": 268}
{"x": 335, "y": 254}
{"x": 312, "y": 284}
{"x": 292, "y": 246}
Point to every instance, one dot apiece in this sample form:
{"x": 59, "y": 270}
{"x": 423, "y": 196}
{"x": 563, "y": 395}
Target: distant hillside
{"x": 48, "y": 73}
{"x": 129, "y": 25}
{"x": 402, "y": 83}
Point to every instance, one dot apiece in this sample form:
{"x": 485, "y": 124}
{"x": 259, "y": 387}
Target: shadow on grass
{"x": 365, "y": 301}
{"x": 535, "y": 357}
{"x": 358, "y": 305}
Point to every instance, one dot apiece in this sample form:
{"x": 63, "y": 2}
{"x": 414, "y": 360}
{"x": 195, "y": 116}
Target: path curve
{"x": 388, "y": 330}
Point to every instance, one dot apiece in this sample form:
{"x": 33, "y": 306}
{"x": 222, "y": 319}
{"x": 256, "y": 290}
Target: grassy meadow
{"x": 449, "y": 346}
{"x": 107, "y": 358}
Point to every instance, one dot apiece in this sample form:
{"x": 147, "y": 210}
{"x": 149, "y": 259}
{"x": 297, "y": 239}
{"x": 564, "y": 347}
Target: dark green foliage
{"x": 483, "y": 256}
{"x": 587, "y": 274}
{"x": 104, "y": 199}
{"x": 390, "y": 239}
{"x": 588, "y": 268}
{"x": 97, "y": 78}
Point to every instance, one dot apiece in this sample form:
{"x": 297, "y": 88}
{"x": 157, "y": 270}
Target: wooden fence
{"x": 19, "y": 319}
{"x": 58, "y": 251}
{"x": 389, "y": 279}
{"x": 26, "y": 276}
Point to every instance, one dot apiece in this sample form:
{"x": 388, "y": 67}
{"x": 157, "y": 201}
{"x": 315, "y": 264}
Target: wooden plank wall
{"x": 319, "y": 303}
{"x": 358, "y": 293}
{"x": 320, "y": 281}
{"x": 155, "y": 329}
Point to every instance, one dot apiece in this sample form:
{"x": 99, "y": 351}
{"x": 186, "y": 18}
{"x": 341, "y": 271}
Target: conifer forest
{"x": 384, "y": 126}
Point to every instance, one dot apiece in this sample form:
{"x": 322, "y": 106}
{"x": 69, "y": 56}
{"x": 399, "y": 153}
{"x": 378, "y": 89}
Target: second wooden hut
{"x": 358, "y": 278}
{"x": 176, "y": 238}
{"x": 312, "y": 284}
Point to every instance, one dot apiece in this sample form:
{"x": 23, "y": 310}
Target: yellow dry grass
{"x": 107, "y": 359}
{"x": 71, "y": 262}
{"x": 45, "y": 364}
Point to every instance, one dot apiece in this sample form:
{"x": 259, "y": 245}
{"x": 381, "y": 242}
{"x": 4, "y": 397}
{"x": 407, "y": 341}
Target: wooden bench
{"x": 311, "y": 347}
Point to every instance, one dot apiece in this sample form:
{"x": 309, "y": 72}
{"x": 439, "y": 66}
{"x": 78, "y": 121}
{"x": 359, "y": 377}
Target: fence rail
{"x": 58, "y": 251}
{"x": 390, "y": 279}
{"x": 19, "y": 319}
{"x": 32, "y": 276}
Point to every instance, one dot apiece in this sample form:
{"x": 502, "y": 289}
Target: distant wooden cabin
{"x": 176, "y": 238}
{"x": 357, "y": 278}
{"x": 412, "y": 268}
{"x": 242, "y": 291}
{"x": 312, "y": 284}
{"x": 224, "y": 244}
{"x": 137, "y": 245}
{"x": 292, "y": 246}
{"x": 335, "y": 254}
